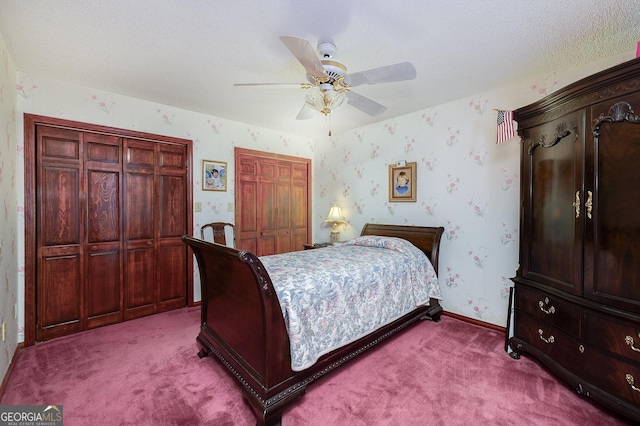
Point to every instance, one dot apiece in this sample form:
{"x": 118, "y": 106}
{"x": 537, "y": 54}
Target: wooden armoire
{"x": 105, "y": 210}
{"x": 577, "y": 290}
{"x": 273, "y": 202}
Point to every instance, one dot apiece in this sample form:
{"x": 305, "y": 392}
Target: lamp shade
{"x": 335, "y": 215}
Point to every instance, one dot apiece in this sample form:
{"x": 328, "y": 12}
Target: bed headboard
{"x": 426, "y": 238}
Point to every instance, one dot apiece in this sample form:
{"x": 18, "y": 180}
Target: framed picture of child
{"x": 402, "y": 182}
{"x": 214, "y": 175}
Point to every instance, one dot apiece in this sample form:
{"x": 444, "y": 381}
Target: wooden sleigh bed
{"x": 243, "y": 324}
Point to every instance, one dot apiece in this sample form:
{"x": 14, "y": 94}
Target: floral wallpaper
{"x": 465, "y": 182}
{"x": 10, "y": 273}
{"x": 213, "y": 138}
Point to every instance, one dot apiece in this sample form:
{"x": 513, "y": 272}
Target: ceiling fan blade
{"x": 306, "y": 54}
{"x": 306, "y": 112}
{"x": 365, "y": 104}
{"x": 396, "y": 72}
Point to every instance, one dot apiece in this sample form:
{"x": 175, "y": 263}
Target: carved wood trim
{"x": 621, "y": 111}
{"x": 562, "y": 131}
{"x": 607, "y": 84}
{"x": 255, "y": 264}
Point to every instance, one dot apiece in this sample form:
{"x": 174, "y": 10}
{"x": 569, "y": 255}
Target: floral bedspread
{"x": 333, "y": 296}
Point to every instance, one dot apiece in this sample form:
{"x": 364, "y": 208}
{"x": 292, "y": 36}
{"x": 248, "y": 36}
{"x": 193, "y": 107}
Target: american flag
{"x": 505, "y": 126}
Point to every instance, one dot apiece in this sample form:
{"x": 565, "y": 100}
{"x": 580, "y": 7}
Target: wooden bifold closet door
{"x": 110, "y": 211}
{"x": 273, "y": 202}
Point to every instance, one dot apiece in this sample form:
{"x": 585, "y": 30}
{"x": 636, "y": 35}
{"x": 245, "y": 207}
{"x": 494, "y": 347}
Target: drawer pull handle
{"x": 551, "y": 310}
{"x": 550, "y": 340}
{"x": 631, "y": 381}
{"x": 629, "y": 341}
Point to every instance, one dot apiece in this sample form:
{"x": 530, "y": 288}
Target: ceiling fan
{"x": 330, "y": 81}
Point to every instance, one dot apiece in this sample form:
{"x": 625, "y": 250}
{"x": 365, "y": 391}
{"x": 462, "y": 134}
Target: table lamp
{"x": 335, "y": 216}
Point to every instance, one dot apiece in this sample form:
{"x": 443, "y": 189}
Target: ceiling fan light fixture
{"x": 331, "y": 85}
{"x": 325, "y": 101}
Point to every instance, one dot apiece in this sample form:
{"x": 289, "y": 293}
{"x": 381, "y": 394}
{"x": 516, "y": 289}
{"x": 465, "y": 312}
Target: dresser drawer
{"x": 552, "y": 341}
{"x": 549, "y": 308}
{"x": 616, "y": 336}
{"x": 613, "y": 376}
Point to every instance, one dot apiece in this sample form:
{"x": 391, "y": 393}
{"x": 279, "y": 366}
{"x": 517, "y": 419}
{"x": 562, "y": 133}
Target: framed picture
{"x": 402, "y": 182}
{"x": 214, "y": 175}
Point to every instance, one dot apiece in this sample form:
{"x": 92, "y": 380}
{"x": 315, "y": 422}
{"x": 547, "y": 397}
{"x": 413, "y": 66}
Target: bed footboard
{"x": 242, "y": 322}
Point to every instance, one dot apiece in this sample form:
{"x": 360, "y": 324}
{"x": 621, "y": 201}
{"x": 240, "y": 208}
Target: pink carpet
{"x": 146, "y": 372}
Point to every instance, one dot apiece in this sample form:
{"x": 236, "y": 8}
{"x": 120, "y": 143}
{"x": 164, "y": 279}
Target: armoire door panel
{"x": 553, "y": 181}
{"x": 613, "y": 231}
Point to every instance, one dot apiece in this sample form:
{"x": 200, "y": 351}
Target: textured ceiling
{"x": 189, "y": 53}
